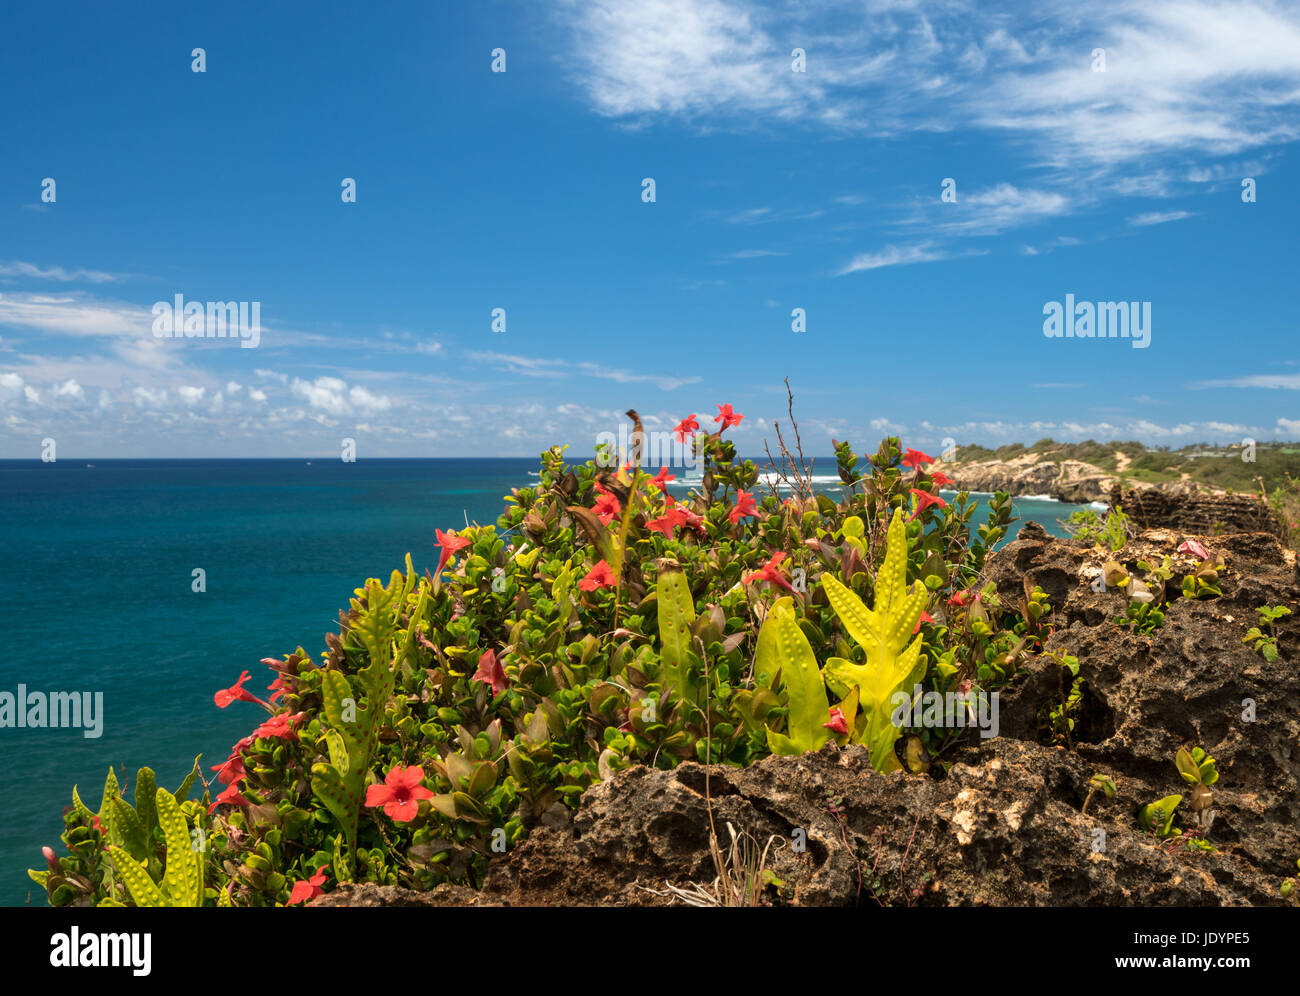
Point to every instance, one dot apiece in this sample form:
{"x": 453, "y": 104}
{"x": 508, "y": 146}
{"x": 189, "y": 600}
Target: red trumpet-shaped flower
{"x": 236, "y": 693}
{"x": 490, "y": 672}
{"x": 661, "y": 479}
{"x": 940, "y": 478}
{"x": 838, "y": 723}
{"x": 450, "y": 543}
{"x": 744, "y": 506}
{"x": 606, "y": 506}
{"x": 925, "y": 617}
{"x": 687, "y": 426}
{"x": 230, "y": 797}
{"x": 924, "y": 500}
{"x": 600, "y": 576}
{"x": 280, "y": 726}
{"x": 231, "y": 771}
{"x": 306, "y": 891}
{"x": 400, "y": 794}
{"x": 769, "y": 573}
{"x": 915, "y": 458}
{"x": 665, "y": 523}
{"x": 727, "y": 417}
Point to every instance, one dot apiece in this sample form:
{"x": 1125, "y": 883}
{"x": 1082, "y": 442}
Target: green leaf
{"x": 1159, "y": 814}
{"x": 183, "y": 792}
{"x": 183, "y": 877}
{"x": 1187, "y": 767}
{"x": 676, "y": 613}
{"x": 138, "y": 883}
{"x": 782, "y": 646}
{"x": 893, "y": 666}
{"x": 145, "y": 789}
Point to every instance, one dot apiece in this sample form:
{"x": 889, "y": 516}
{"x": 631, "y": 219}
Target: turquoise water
{"x": 97, "y": 564}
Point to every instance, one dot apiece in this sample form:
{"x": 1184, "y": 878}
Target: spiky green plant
{"x": 182, "y": 879}
{"x": 783, "y": 647}
{"x": 893, "y": 665}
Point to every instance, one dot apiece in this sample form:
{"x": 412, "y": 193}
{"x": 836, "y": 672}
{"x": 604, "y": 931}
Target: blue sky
{"x": 522, "y": 190}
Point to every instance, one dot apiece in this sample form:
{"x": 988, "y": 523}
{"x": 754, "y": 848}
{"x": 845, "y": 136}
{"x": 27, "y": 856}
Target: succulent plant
{"x": 893, "y": 664}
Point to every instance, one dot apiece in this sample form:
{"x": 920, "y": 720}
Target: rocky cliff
{"x": 1029, "y": 474}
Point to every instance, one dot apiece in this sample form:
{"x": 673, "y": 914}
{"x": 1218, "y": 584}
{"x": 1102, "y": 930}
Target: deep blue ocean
{"x": 97, "y": 559}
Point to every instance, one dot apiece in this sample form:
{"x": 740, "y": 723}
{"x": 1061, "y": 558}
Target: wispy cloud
{"x": 753, "y": 254}
{"x": 1277, "y": 382}
{"x": 1208, "y": 78}
{"x": 1158, "y": 218}
{"x": 56, "y": 273}
{"x": 892, "y": 256}
{"x": 533, "y": 366}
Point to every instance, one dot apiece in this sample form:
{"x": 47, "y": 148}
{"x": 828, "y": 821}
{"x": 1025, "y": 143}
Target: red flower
{"x": 232, "y": 771}
{"x": 280, "y": 726}
{"x": 400, "y": 794}
{"x": 490, "y": 672}
{"x": 450, "y": 543}
{"x": 962, "y": 598}
{"x": 665, "y": 523}
{"x": 598, "y": 577}
{"x": 686, "y": 426}
{"x": 744, "y": 506}
{"x": 925, "y": 617}
{"x": 229, "y": 797}
{"x": 661, "y": 479}
{"x": 606, "y": 506}
{"x": 693, "y": 520}
{"x": 940, "y": 478}
{"x": 277, "y": 688}
{"x": 924, "y": 500}
{"x": 727, "y": 417}
{"x": 915, "y": 458}
{"x": 770, "y": 574}
{"x": 838, "y": 723}
{"x": 235, "y": 693}
{"x": 308, "y": 890}
{"x": 1194, "y": 548}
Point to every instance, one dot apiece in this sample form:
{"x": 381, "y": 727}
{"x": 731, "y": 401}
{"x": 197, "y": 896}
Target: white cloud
{"x": 367, "y": 402}
{"x": 893, "y": 256}
{"x": 1284, "y": 382}
{"x": 1204, "y": 77}
{"x": 146, "y": 398}
{"x": 58, "y": 273}
{"x": 1158, "y": 218}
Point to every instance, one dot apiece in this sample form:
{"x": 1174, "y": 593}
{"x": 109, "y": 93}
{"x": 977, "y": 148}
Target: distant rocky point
{"x": 1095, "y": 472}
{"x": 1034, "y": 474}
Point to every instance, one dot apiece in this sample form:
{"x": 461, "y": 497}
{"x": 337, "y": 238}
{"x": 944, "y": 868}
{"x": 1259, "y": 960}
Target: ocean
{"x": 99, "y": 559}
